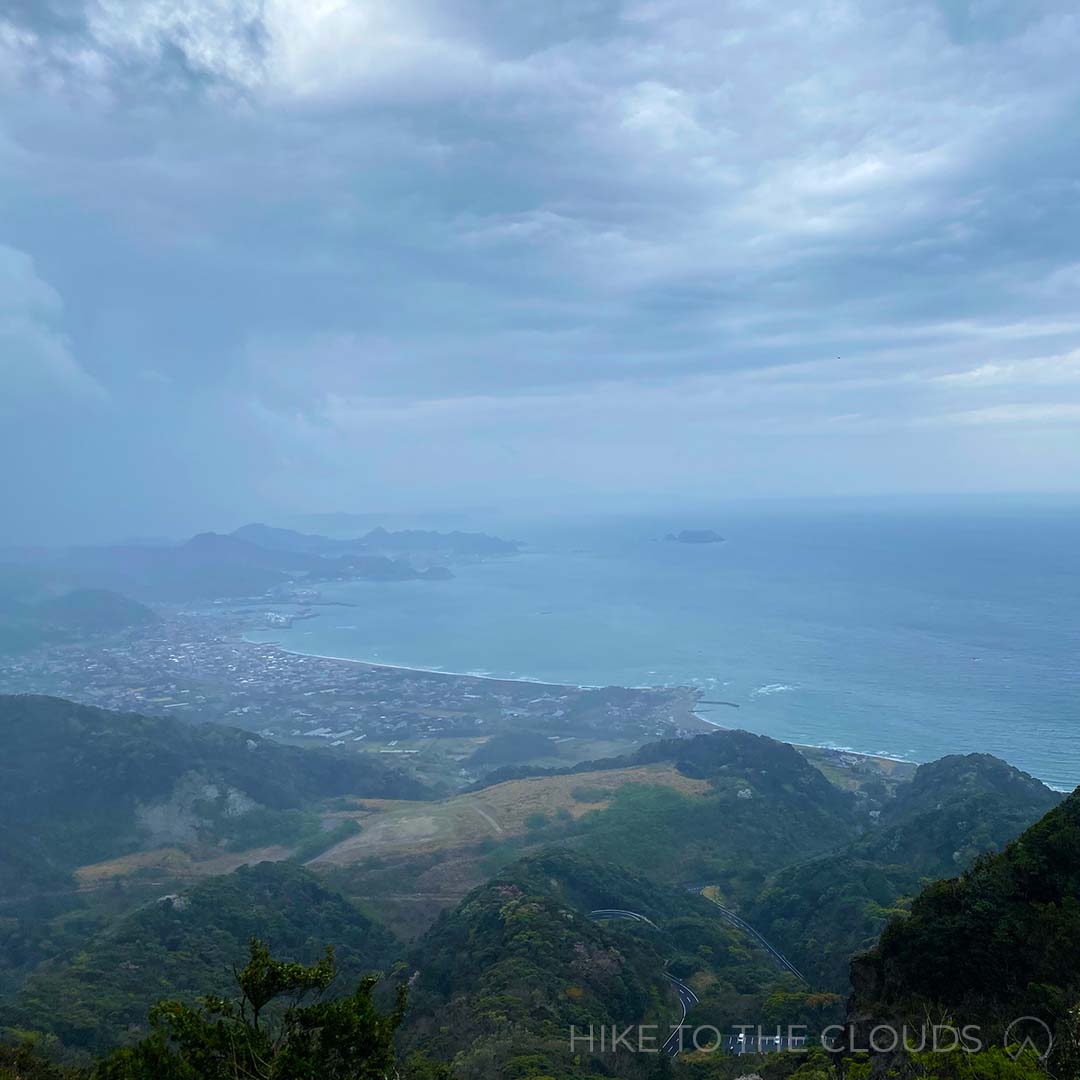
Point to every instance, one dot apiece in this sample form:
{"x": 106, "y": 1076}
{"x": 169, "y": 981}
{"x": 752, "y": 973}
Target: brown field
{"x": 495, "y": 812}
{"x": 412, "y": 859}
{"x": 173, "y": 864}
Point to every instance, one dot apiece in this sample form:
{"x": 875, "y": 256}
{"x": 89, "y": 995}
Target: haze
{"x": 272, "y": 258}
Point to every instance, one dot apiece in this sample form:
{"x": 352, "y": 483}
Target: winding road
{"x": 687, "y": 997}
{"x": 742, "y": 924}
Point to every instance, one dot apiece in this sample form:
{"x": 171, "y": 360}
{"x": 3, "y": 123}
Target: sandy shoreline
{"x": 518, "y": 680}
{"x": 568, "y": 686}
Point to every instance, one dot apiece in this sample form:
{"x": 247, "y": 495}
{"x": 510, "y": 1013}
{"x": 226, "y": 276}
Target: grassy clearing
{"x": 504, "y": 810}
{"x": 175, "y": 864}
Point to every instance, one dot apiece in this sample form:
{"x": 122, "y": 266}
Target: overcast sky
{"x": 268, "y": 256}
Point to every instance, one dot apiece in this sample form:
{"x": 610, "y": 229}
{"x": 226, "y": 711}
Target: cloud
{"x": 426, "y": 231}
{"x": 1037, "y": 414}
{"x": 36, "y": 362}
{"x": 1035, "y": 371}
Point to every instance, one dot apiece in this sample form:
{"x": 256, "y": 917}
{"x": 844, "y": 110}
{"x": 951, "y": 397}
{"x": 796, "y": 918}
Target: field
{"x": 410, "y": 858}
{"x": 504, "y": 810}
{"x": 172, "y": 864}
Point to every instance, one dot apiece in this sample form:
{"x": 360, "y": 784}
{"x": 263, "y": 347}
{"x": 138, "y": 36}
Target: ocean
{"x": 910, "y": 629}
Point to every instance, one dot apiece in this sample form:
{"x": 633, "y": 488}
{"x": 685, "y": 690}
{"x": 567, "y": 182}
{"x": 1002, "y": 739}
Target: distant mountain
{"x": 273, "y": 539}
{"x": 211, "y": 547}
{"x": 208, "y": 566}
{"x": 187, "y": 945}
{"x": 823, "y": 910}
{"x": 425, "y": 545}
{"x": 252, "y": 561}
{"x": 34, "y": 613}
{"x": 80, "y": 784}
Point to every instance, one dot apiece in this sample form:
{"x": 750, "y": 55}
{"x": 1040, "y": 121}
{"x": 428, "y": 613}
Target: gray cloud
{"x": 36, "y": 361}
{"x": 607, "y": 245}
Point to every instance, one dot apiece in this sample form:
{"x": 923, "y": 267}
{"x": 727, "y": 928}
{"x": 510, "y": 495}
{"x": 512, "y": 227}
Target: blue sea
{"x": 907, "y": 628}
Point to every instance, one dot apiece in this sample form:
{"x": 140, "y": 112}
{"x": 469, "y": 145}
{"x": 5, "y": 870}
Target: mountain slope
{"x": 823, "y": 910}
{"x": 1000, "y": 941}
{"x": 188, "y": 945}
{"x": 765, "y": 806}
{"x": 79, "y": 784}
{"x": 499, "y": 980}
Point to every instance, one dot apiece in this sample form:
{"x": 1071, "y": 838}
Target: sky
{"x": 267, "y": 257}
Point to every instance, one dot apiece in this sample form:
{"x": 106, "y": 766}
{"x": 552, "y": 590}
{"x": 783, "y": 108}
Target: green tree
{"x": 24, "y": 1063}
{"x": 279, "y": 1028}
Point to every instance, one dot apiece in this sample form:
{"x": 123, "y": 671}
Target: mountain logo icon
{"x": 1028, "y": 1033}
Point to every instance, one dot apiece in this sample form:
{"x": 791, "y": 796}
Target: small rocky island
{"x": 695, "y": 536}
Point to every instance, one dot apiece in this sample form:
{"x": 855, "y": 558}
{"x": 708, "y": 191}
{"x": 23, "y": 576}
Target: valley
{"x": 804, "y": 865}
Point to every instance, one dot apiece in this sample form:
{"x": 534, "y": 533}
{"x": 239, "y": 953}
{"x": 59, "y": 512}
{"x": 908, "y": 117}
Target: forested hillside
{"x": 183, "y": 946}
{"x": 764, "y": 806}
{"x": 499, "y": 980}
{"x": 999, "y": 942}
{"x": 823, "y": 910}
{"x": 79, "y": 784}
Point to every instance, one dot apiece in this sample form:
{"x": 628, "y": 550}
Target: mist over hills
{"x": 80, "y": 784}
{"x": 450, "y": 546}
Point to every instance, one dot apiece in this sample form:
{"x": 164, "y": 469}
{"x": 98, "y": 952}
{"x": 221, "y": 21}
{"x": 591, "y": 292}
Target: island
{"x": 695, "y": 536}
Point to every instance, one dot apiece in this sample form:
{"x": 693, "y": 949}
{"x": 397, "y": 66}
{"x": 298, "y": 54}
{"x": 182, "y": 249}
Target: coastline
{"x": 707, "y": 724}
{"x": 436, "y": 671}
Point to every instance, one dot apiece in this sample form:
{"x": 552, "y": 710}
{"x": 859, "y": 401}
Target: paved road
{"x": 604, "y": 914}
{"x": 687, "y": 997}
{"x": 742, "y": 924}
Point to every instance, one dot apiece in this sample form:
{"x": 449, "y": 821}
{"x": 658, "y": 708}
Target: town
{"x": 199, "y": 666}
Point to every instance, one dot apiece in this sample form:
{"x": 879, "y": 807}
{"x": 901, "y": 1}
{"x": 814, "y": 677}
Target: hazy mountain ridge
{"x": 36, "y": 611}
{"x": 381, "y": 541}
{"x": 252, "y": 561}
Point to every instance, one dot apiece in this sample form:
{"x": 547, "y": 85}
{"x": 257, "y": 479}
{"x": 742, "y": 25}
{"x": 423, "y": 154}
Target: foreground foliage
{"x": 273, "y": 1031}
{"x": 184, "y": 946}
